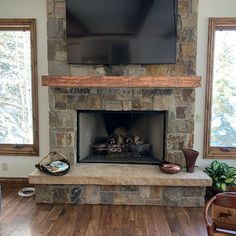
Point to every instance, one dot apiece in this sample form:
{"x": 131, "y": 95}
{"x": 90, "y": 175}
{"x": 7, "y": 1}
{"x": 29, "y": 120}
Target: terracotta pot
{"x": 190, "y": 158}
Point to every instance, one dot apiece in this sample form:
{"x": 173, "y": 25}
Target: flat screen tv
{"x": 121, "y": 31}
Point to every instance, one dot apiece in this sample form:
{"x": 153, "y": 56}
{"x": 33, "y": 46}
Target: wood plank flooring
{"x": 22, "y": 216}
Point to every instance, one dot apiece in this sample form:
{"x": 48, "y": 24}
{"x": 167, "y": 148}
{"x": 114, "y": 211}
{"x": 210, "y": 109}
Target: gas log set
{"x": 121, "y": 142}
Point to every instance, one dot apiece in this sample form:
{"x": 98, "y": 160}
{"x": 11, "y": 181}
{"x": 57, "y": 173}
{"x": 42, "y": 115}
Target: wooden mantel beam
{"x": 122, "y": 81}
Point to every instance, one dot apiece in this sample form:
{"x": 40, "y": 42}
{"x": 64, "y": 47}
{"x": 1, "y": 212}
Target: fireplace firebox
{"x": 137, "y": 137}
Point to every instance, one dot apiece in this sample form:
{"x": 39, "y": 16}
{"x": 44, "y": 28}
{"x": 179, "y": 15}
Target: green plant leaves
{"x": 215, "y": 165}
{"x": 222, "y": 175}
{"x": 231, "y": 171}
{"x": 218, "y": 185}
{"x": 223, "y": 187}
{"x": 210, "y": 172}
{"x": 223, "y": 167}
{"x": 229, "y": 180}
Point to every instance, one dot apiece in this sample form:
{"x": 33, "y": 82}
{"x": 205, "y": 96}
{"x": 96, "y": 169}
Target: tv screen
{"x": 121, "y": 31}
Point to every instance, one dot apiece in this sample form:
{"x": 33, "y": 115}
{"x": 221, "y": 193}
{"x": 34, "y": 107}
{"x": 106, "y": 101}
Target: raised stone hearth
{"x": 122, "y": 184}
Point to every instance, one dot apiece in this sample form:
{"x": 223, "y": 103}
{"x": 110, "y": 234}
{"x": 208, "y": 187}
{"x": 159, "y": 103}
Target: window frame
{"x": 215, "y": 23}
{"x": 26, "y": 149}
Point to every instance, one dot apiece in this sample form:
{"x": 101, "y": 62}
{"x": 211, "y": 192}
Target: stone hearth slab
{"x": 121, "y": 174}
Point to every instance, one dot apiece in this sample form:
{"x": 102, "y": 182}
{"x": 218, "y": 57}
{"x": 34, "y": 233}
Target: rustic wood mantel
{"x": 122, "y": 81}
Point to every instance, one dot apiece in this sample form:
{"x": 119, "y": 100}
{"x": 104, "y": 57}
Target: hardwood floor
{"x": 21, "y": 216}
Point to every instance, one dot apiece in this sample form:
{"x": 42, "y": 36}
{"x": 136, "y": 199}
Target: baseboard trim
{"x": 14, "y": 181}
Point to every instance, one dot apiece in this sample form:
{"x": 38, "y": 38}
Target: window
{"x": 220, "y": 116}
{"x": 18, "y": 87}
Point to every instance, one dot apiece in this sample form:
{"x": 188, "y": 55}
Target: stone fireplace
{"x": 125, "y": 184}
{"x": 177, "y": 103}
{"x": 117, "y": 184}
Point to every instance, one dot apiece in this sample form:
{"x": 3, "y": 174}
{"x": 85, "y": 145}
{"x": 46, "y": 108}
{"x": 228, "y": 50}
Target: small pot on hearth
{"x": 190, "y": 158}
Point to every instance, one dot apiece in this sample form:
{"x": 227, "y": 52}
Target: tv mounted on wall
{"x": 121, "y": 31}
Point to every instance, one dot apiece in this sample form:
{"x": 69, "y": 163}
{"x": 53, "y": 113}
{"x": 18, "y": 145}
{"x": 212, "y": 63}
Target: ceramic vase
{"x": 190, "y": 158}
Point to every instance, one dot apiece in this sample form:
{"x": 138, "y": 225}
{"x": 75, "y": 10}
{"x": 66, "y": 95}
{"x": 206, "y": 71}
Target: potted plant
{"x": 223, "y": 176}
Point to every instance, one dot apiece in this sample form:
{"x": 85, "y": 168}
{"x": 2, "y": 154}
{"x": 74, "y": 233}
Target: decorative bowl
{"x": 170, "y": 168}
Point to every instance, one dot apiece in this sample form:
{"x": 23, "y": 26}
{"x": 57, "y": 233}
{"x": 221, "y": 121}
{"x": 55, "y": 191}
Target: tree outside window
{"x": 220, "y": 117}
{"x": 18, "y": 87}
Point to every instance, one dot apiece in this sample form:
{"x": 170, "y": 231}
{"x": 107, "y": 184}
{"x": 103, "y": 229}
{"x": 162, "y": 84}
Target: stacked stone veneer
{"x": 178, "y": 102}
{"x": 121, "y": 195}
{"x": 186, "y": 46}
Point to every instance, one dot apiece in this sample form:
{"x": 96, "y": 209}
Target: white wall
{"x": 207, "y": 8}
{"x": 22, "y": 166}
